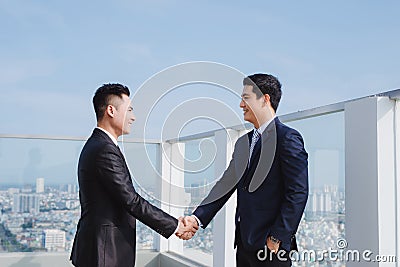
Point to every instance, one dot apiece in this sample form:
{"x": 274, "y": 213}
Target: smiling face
{"x": 122, "y": 115}
{"x": 255, "y": 110}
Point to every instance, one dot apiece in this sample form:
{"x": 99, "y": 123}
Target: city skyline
{"x": 52, "y": 229}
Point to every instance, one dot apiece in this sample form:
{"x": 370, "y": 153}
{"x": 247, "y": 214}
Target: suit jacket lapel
{"x": 263, "y": 157}
{"x": 262, "y": 142}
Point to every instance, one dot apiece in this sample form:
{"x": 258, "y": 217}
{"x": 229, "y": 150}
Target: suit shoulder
{"x": 287, "y": 134}
{"x": 284, "y": 129}
{"x": 95, "y": 145}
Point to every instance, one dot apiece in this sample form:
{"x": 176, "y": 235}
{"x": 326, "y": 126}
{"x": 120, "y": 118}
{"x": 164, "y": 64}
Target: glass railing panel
{"x": 199, "y": 177}
{"x": 323, "y": 224}
{"x": 39, "y": 200}
{"x": 39, "y": 194}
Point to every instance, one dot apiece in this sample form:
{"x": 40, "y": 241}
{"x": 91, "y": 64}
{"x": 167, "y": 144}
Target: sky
{"x": 55, "y": 54}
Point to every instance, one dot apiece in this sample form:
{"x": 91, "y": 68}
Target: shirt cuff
{"x": 198, "y": 221}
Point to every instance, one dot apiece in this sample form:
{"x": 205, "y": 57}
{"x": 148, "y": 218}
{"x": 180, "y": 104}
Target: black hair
{"x": 103, "y": 96}
{"x": 265, "y": 84}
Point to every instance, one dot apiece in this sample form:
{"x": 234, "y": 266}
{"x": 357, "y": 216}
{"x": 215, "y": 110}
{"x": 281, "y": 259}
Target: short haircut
{"x": 265, "y": 84}
{"x": 104, "y": 94}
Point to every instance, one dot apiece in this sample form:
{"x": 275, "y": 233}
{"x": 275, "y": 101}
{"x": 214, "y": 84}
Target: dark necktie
{"x": 254, "y": 140}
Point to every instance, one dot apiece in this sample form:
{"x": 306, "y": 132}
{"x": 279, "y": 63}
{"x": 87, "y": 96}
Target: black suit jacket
{"x": 272, "y": 190}
{"x": 106, "y": 232}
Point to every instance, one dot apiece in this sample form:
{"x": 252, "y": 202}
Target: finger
{"x": 187, "y": 221}
{"x": 194, "y": 228}
{"x": 188, "y": 236}
{"x": 191, "y": 227}
{"x": 195, "y": 225}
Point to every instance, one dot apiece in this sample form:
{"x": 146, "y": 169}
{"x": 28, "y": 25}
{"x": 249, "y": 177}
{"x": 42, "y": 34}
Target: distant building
{"x": 72, "y": 204}
{"x": 26, "y": 203}
{"x": 325, "y": 200}
{"x": 13, "y": 191}
{"x": 27, "y": 188}
{"x": 72, "y": 188}
{"x": 54, "y": 240}
{"x": 40, "y": 185}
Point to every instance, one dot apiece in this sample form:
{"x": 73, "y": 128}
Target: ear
{"x": 267, "y": 98}
{"x": 110, "y": 111}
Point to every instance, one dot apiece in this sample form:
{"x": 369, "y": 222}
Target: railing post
{"x": 172, "y": 189}
{"x": 370, "y": 178}
{"x": 224, "y": 222}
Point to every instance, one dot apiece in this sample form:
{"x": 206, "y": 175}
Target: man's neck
{"x": 108, "y": 128}
{"x": 264, "y": 119}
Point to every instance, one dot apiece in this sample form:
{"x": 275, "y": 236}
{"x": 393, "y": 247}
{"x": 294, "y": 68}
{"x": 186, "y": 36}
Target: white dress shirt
{"x": 262, "y": 128}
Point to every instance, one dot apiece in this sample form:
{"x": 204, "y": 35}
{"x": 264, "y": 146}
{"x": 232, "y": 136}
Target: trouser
{"x": 263, "y": 258}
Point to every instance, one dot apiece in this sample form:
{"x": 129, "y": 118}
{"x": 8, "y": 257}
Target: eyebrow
{"x": 245, "y": 94}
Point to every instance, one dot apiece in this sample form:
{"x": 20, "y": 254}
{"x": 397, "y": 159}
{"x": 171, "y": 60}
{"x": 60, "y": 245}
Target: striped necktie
{"x": 254, "y": 139}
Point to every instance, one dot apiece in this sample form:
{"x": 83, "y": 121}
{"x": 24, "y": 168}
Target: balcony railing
{"x": 354, "y": 160}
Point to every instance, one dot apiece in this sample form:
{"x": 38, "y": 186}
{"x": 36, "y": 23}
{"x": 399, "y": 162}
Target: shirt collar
{"x": 109, "y": 135}
{"x": 262, "y": 128}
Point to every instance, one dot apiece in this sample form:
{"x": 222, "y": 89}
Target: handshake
{"x": 187, "y": 227}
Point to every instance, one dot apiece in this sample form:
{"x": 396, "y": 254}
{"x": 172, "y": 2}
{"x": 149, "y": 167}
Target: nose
{"x": 242, "y": 104}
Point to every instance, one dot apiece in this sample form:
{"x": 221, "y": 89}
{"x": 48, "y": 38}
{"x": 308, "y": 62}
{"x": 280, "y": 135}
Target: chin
{"x": 248, "y": 119}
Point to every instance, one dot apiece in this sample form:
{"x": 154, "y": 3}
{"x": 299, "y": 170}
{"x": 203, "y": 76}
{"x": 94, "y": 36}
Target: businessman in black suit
{"x": 106, "y": 232}
{"x": 268, "y": 171}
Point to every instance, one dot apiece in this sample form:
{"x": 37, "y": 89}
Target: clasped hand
{"x": 187, "y": 228}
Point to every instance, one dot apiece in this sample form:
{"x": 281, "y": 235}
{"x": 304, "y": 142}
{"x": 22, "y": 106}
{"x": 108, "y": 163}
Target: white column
{"x": 397, "y": 173}
{"x": 172, "y": 189}
{"x": 224, "y": 221}
{"x": 370, "y": 178}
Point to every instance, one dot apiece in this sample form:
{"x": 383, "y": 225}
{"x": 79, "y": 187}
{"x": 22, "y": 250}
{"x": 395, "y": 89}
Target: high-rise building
{"x": 327, "y": 202}
{"x": 54, "y": 240}
{"x": 26, "y": 203}
{"x": 40, "y": 185}
{"x": 72, "y": 188}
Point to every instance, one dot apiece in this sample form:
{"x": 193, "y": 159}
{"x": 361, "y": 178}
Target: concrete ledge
{"x": 170, "y": 259}
{"x": 144, "y": 258}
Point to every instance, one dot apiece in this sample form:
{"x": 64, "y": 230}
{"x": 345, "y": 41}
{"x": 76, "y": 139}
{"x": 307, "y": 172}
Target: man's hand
{"x": 191, "y": 220}
{"x": 273, "y": 244}
{"x": 187, "y": 228}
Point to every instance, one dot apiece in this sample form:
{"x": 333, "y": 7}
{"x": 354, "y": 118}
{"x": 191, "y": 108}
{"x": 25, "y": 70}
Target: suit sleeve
{"x": 218, "y": 196}
{"x": 294, "y": 170}
{"x": 115, "y": 178}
